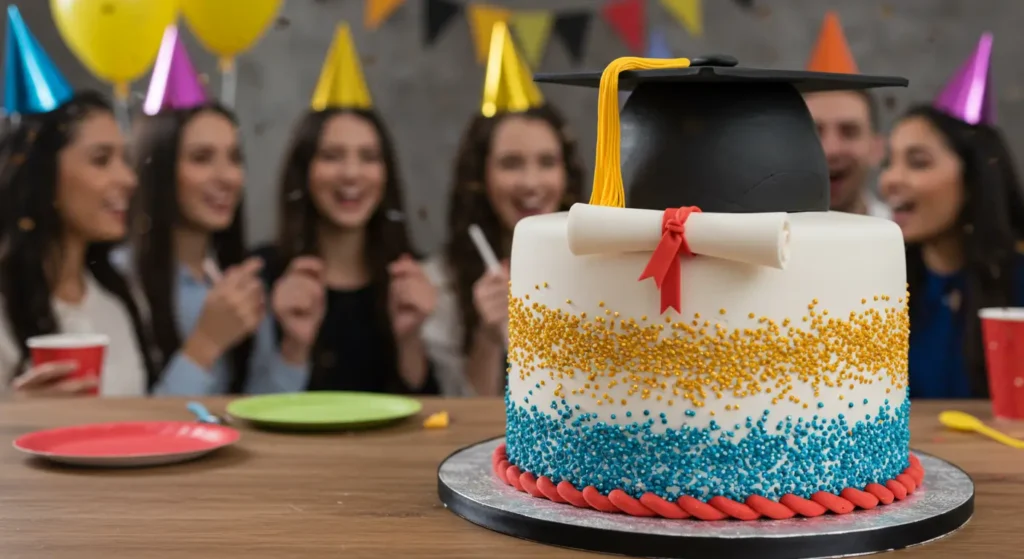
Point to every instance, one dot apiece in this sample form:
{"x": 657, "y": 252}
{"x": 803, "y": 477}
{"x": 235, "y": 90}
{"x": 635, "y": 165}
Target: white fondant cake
{"x": 769, "y": 382}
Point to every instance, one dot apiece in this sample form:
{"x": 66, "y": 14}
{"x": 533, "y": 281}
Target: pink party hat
{"x": 968, "y": 96}
{"x": 174, "y": 84}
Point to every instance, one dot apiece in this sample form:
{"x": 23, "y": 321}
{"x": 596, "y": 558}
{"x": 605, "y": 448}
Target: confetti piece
{"x": 438, "y": 420}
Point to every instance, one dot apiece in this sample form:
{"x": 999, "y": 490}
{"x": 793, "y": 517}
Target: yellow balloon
{"x": 117, "y": 40}
{"x": 229, "y": 27}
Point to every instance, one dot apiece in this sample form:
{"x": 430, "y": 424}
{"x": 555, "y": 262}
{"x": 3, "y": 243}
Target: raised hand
{"x": 411, "y": 297}
{"x": 232, "y": 311}
{"x": 490, "y": 298}
{"x": 298, "y": 302}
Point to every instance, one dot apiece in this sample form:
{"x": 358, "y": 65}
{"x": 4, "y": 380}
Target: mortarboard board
{"x": 32, "y": 83}
{"x": 174, "y": 83}
{"x": 508, "y": 85}
{"x": 341, "y": 84}
{"x": 705, "y": 132}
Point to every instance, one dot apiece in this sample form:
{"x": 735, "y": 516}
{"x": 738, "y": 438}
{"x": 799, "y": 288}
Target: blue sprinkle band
{"x": 771, "y": 459}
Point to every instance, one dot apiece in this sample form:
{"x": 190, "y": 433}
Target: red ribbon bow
{"x": 664, "y": 263}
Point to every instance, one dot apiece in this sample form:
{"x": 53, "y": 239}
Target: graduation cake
{"x": 704, "y": 339}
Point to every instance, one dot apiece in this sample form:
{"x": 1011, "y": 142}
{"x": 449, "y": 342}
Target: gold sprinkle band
{"x": 696, "y": 361}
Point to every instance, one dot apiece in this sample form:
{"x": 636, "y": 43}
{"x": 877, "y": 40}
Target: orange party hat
{"x": 831, "y": 53}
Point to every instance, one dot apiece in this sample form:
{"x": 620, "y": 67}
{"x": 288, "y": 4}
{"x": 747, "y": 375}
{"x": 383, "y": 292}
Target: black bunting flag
{"x": 571, "y": 29}
{"x": 440, "y": 13}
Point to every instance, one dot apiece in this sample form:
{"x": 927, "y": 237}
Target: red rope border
{"x": 716, "y": 508}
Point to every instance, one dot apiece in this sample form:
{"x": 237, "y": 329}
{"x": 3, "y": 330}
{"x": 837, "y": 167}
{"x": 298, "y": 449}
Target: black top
{"x": 723, "y": 138}
{"x": 352, "y": 352}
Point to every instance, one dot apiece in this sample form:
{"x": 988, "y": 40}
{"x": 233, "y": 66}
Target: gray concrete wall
{"x": 427, "y": 94}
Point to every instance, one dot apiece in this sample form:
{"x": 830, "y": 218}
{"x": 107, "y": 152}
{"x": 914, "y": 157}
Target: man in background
{"x": 848, "y": 125}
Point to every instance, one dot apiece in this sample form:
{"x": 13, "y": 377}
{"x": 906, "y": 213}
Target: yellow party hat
{"x": 341, "y": 83}
{"x": 508, "y": 84}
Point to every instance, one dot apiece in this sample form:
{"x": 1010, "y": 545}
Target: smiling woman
{"x": 341, "y": 203}
{"x": 65, "y": 188}
{"x": 205, "y": 302}
{"x": 510, "y": 166}
{"x": 956, "y": 196}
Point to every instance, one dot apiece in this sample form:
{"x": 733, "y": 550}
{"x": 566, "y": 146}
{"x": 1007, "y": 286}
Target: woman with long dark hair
{"x": 509, "y": 166}
{"x": 66, "y": 187}
{"x": 206, "y": 301}
{"x": 951, "y": 182}
{"x": 341, "y": 202}
{"x": 955, "y": 194}
{"x": 516, "y": 159}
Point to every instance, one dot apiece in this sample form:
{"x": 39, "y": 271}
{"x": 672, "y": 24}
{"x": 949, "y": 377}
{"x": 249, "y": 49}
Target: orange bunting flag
{"x": 482, "y": 18}
{"x": 376, "y": 12}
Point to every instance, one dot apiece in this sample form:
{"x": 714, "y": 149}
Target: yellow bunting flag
{"x": 376, "y": 12}
{"x": 532, "y": 28}
{"x": 689, "y": 14}
{"x": 508, "y": 84}
{"x": 341, "y": 83}
{"x": 608, "y": 188}
{"x": 482, "y": 18}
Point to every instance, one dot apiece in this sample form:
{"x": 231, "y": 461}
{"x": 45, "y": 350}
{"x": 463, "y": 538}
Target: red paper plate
{"x": 127, "y": 444}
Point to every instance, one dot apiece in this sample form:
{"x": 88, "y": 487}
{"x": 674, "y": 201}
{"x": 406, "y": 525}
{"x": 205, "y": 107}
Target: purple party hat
{"x": 175, "y": 84}
{"x": 968, "y": 96}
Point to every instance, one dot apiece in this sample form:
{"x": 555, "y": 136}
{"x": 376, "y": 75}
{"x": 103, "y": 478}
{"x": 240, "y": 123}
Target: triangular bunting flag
{"x": 689, "y": 14}
{"x": 657, "y": 45}
{"x": 482, "y": 18}
{"x": 571, "y": 28}
{"x": 533, "y": 29}
{"x": 627, "y": 18}
{"x": 376, "y": 12}
{"x": 439, "y": 14}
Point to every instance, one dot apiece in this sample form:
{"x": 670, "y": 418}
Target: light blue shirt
{"x": 268, "y": 371}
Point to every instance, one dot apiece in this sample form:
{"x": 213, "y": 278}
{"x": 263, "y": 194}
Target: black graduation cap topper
{"x": 704, "y": 132}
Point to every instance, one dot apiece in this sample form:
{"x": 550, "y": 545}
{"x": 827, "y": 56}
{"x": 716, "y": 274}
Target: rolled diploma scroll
{"x": 751, "y": 238}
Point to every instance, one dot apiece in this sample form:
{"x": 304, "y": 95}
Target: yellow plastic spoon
{"x": 966, "y": 422}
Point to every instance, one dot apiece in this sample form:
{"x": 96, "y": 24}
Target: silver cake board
{"x": 468, "y": 487}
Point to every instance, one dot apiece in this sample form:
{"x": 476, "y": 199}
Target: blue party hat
{"x": 32, "y": 84}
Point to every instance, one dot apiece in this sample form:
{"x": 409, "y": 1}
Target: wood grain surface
{"x": 368, "y": 494}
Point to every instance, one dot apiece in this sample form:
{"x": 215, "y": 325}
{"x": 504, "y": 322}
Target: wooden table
{"x": 371, "y": 494}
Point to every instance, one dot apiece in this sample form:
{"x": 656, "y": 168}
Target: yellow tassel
{"x": 608, "y": 189}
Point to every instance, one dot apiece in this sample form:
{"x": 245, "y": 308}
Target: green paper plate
{"x": 323, "y": 411}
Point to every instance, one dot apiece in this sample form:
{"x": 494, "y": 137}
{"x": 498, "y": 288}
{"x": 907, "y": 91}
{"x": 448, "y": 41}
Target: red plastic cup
{"x": 1002, "y": 331}
{"x": 88, "y": 350}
